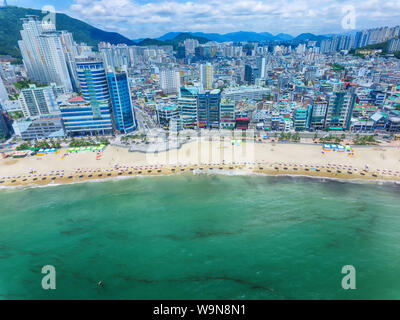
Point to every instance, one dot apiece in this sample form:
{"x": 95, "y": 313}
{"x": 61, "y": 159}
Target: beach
{"x": 368, "y": 162}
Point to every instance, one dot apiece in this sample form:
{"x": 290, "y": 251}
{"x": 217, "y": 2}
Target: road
{"x": 145, "y": 122}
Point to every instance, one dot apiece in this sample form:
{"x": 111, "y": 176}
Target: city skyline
{"x": 143, "y": 19}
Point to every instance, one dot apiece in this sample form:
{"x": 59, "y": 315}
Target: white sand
{"x": 206, "y": 152}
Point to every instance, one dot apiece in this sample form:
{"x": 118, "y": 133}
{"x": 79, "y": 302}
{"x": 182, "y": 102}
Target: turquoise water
{"x": 201, "y": 237}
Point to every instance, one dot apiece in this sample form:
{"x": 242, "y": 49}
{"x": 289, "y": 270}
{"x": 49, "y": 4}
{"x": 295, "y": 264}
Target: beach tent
{"x": 326, "y": 147}
{"x": 333, "y": 147}
{"x": 87, "y": 148}
{"x": 236, "y": 142}
{"x": 340, "y": 148}
{"x": 52, "y": 150}
{"x": 19, "y": 154}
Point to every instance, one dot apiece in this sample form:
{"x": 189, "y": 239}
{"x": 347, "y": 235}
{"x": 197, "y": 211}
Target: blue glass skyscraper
{"x": 92, "y": 81}
{"x": 90, "y": 114}
{"x": 124, "y": 116}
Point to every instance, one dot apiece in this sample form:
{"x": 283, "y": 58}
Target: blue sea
{"x": 201, "y": 237}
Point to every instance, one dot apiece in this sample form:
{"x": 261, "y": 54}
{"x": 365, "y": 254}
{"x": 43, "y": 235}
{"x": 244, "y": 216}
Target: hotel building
{"x": 121, "y": 102}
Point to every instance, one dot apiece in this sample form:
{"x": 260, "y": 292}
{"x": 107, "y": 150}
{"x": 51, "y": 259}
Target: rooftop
{"x": 77, "y": 99}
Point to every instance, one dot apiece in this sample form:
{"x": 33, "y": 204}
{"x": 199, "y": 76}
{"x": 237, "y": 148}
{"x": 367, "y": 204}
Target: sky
{"x": 146, "y": 18}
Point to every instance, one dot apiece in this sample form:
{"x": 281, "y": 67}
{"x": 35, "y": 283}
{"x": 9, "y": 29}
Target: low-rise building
{"x": 165, "y": 113}
{"x": 36, "y": 101}
{"x": 241, "y": 93}
{"x": 300, "y": 119}
{"x": 188, "y": 111}
{"x": 80, "y": 119}
{"x": 41, "y": 127}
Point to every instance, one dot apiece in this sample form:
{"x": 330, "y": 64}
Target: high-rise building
{"x": 208, "y": 111}
{"x": 89, "y": 114}
{"x": 188, "y": 111}
{"x": 3, "y": 91}
{"x": 36, "y": 101}
{"x": 190, "y": 45}
{"x": 207, "y": 76}
{"x": 318, "y": 114}
{"x": 340, "y": 110}
{"x": 170, "y": 81}
{"x": 71, "y": 52}
{"x": 250, "y": 74}
{"x": 43, "y": 52}
{"x": 5, "y": 125}
{"x": 261, "y": 65}
{"x": 33, "y": 58}
{"x": 394, "y": 45}
{"x": 55, "y": 59}
{"x": 121, "y": 102}
{"x": 92, "y": 81}
{"x": 116, "y": 56}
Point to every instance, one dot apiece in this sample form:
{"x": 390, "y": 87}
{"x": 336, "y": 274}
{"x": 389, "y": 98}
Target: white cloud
{"x": 152, "y": 19}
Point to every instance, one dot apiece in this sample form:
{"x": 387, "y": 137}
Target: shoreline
{"x": 367, "y": 164}
{"x": 277, "y": 170}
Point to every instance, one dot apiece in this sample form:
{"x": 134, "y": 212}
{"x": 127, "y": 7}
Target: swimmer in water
{"x": 100, "y": 284}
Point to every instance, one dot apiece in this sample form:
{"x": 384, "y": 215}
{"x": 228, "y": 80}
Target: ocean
{"x": 201, "y": 237}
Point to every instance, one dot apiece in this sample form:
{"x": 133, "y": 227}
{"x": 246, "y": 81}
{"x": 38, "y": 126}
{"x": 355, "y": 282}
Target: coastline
{"x": 380, "y": 164}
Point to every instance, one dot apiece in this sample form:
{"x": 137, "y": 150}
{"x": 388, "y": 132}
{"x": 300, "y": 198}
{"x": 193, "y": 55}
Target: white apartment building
{"x": 36, "y": 101}
{"x": 206, "y": 76}
{"x": 190, "y": 45}
{"x": 170, "y": 81}
{"x": 55, "y": 59}
{"x": 44, "y": 53}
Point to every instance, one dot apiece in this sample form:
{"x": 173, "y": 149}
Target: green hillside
{"x": 384, "y": 46}
{"x": 183, "y": 36}
{"x": 172, "y": 42}
{"x": 10, "y": 26}
{"x": 151, "y": 42}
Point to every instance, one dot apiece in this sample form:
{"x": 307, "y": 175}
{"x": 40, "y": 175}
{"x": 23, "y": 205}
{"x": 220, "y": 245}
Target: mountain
{"x": 308, "y": 36}
{"x": 169, "y": 36}
{"x": 179, "y": 37}
{"x": 240, "y": 36}
{"x": 211, "y": 36}
{"x": 138, "y": 40}
{"x": 183, "y": 36}
{"x": 283, "y": 37}
{"x": 151, "y": 42}
{"x": 245, "y": 36}
{"x": 11, "y": 24}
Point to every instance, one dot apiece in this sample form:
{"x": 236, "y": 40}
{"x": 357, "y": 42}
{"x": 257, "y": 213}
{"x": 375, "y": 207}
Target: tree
{"x": 24, "y": 146}
{"x": 296, "y": 137}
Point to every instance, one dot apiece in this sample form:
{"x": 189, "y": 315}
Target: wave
{"x": 208, "y": 172}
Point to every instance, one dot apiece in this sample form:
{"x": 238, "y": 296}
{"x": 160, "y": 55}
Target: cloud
{"x": 136, "y": 19}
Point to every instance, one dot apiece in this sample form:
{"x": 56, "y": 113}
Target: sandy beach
{"x": 368, "y": 162}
